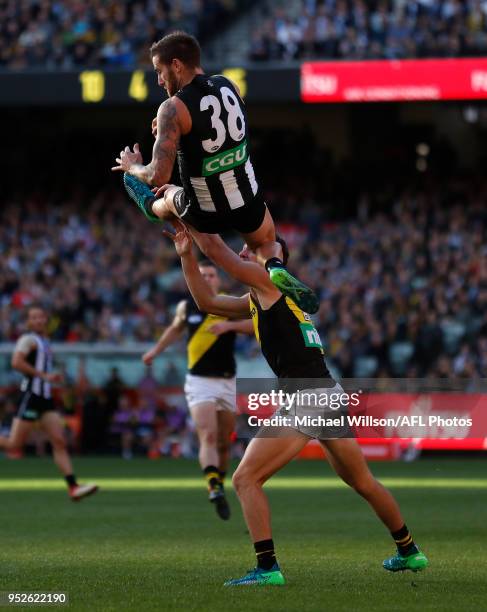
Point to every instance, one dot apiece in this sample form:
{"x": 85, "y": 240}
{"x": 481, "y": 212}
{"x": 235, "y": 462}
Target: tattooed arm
{"x": 159, "y": 171}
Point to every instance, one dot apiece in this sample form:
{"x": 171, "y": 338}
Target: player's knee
{"x": 207, "y": 436}
{"x": 237, "y": 481}
{"x": 158, "y": 207}
{"x": 242, "y": 479}
{"x": 162, "y": 210}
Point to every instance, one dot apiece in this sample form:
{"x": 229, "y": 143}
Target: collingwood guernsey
{"x": 220, "y": 188}
{"x": 38, "y": 354}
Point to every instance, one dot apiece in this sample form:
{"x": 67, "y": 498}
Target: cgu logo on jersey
{"x": 225, "y": 160}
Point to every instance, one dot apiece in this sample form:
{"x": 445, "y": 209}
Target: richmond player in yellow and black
{"x": 292, "y": 346}
{"x": 210, "y": 381}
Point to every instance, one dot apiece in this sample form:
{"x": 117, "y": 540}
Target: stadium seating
{"x": 383, "y": 308}
{"x": 71, "y": 34}
{"x": 68, "y": 35}
{"x": 360, "y": 29}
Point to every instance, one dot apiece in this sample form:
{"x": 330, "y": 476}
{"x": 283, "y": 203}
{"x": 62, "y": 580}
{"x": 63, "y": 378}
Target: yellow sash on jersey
{"x": 202, "y": 339}
{"x": 301, "y": 316}
{"x": 254, "y": 313}
{"x": 298, "y": 313}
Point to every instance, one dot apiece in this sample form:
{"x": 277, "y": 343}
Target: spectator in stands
{"x": 135, "y": 424}
{"x": 72, "y": 34}
{"x": 354, "y": 29}
{"x": 173, "y": 437}
{"x": 384, "y": 309}
{"x": 430, "y": 295}
{"x": 148, "y": 388}
{"x": 113, "y": 390}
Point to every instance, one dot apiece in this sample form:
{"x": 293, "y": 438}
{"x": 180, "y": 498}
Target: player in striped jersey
{"x": 33, "y": 358}
{"x": 204, "y": 123}
{"x": 210, "y": 382}
{"x": 292, "y": 347}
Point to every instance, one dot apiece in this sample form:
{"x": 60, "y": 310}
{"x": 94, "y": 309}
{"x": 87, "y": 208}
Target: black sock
{"x": 71, "y": 480}
{"x": 404, "y": 541}
{"x": 266, "y": 557}
{"x": 212, "y": 476}
{"x": 273, "y": 262}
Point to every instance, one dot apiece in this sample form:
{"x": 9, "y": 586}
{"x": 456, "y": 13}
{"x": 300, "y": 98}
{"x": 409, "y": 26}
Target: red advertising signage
{"x": 433, "y": 421}
{"x": 394, "y": 80}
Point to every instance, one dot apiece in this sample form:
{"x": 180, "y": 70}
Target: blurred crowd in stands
{"x": 68, "y": 34}
{"x": 370, "y": 29}
{"x": 403, "y": 287}
{"x": 146, "y": 419}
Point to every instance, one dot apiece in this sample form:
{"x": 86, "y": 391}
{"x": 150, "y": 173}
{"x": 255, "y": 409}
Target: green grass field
{"x": 150, "y": 541}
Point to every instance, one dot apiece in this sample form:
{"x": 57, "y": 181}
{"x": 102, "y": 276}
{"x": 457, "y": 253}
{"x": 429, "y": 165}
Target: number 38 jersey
{"x": 214, "y": 160}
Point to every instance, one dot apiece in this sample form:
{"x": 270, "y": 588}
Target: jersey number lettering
{"x": 235, "y": 119}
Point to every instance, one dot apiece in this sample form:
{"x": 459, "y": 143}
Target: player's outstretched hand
{"x": 182, "y": 238}
{"x": 127, "y": 159}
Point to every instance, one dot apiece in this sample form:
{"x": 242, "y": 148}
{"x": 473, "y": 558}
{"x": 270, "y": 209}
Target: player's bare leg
{"x": 164, "y": 210}
{"x": 52, "y": 425}
{"x": 263, "y": 240}
{"x": 269, "y": 254}
{"x": 205, "y": 418}
{"x": 17, "y": 438}
{"x": 263, "y": 458}
{"x": 161, "y": 206}
{"x": 226, "y": 425}
{"x": 346, "y": 458}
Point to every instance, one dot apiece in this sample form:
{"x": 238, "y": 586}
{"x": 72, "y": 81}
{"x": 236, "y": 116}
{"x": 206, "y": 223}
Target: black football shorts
{"x": 32, "y": 406}
{"x": 245, "y": 219}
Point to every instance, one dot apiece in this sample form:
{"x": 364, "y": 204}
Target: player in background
{"x": 210, "y": 382}
{"x": 204, "y": 123}
{"x": 292, "y": 354}
{"x": 33, "y": 358}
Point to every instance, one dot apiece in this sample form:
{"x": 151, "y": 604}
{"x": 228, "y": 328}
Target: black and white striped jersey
{"x": 214, "y": 158}
{"x": 37, "y": 351}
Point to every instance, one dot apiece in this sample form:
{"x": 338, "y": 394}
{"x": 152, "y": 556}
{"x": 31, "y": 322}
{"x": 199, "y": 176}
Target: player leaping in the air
{"x": 204, "y": 123}
{"x": 293, "y": 353}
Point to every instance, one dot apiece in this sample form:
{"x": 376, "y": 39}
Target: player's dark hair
{"x": 284, "y": 247}
{"x": 206, "y": 263}
{"x": 178, "y": 45}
